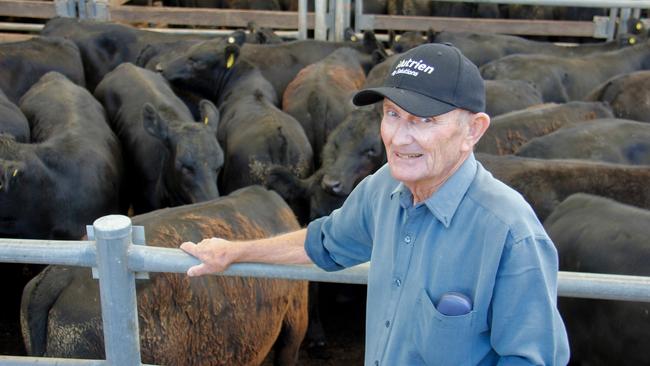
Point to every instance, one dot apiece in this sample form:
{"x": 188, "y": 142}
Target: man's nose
{"x": 403, "y": 133}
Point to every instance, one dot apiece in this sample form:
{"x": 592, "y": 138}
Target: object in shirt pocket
{"x": 454, "y": 304}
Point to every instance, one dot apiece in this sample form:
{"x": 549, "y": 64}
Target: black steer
{"x": 105, "y": 45}
{"x": 482, "y": 48}
{"x": 69, "y": 175}
{"x": 503, "y": 96}
{"x": 610, "y": 140}
{"x": 561, "y": 79}
{"x": 12, "y": 120}
{"x": 507, "y": 132}
{"x": 211, "y": 320}
{"x": 599, "y": 235}
{"x": 628, "y": 94}
{"x": 319, "y": 96}
{"x": 23, "y": 63}
{"x": 546, "y": 183}
{"x": 278, "y": 63}
{"x": 171, "y": 160}
{"x": 353, "y": 151}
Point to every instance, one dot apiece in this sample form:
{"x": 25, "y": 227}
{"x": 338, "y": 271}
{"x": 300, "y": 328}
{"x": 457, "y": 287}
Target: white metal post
{"x": 320, "y": 27}
{"x": 117, "y": 291}
{"x": 302, "y": 19}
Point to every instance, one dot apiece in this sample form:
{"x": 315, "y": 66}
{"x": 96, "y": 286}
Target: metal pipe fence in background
{"x": 599, "y": 27}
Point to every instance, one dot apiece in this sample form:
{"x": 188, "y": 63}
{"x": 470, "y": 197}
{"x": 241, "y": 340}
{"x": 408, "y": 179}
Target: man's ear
{"x": 478, "y": 124}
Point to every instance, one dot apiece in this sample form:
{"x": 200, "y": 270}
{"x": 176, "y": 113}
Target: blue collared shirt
{"x": 476, "y": 236}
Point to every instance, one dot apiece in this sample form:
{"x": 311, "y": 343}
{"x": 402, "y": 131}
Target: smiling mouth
{"x": 407, "y": 156}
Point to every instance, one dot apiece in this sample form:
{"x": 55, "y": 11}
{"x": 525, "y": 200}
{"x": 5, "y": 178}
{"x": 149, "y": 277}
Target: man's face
{"x": 421, "y": 151}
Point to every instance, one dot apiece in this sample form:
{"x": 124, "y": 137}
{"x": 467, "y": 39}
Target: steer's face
{"x": 198, "y": 159}
{"x": 352, "y": 152}
{"x": 203, "y": 67}
{"x": 195, "y": 156}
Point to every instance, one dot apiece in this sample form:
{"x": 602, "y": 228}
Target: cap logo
{"x": 411, "y": 67}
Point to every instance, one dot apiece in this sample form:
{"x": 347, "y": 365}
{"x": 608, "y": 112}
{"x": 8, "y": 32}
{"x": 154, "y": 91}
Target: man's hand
{"x": 215, "y": 253}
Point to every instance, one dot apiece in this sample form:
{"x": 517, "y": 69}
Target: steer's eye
{"x": 187, "y": 170}
{"x": 372, "y": 152}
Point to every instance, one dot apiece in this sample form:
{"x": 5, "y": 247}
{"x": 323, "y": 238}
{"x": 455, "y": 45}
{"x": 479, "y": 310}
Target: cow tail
{"x": 38, "y": 297}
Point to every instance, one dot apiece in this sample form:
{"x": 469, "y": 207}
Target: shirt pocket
{"x": 442, "y": 339}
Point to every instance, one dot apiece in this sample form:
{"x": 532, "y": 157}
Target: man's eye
{"x": 426, "y": 120}
{"x": 391, "y": 113}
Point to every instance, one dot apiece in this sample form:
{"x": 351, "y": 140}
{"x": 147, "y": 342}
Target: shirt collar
{"x": 444, "y": 202}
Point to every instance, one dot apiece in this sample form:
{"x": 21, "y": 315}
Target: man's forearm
{"x": 286, "y": 248}
{"x": 216, "y": 254}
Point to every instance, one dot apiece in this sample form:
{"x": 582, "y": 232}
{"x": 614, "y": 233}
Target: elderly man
{"x": 462, "y": 272}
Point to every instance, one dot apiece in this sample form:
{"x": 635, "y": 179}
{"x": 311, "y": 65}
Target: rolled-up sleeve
{"x": 342, "y": 239}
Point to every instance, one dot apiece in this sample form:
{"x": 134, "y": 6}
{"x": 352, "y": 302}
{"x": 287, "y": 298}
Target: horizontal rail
{"x": 47, "y": 361}
{"x": 14, "y": 37}
{"x": 71, "y": 253}
{"x": 208, "y": 17}
{"x": 510, "y": 26}
{"x": 29, "y": 27}
{"x": 155, "y": 259}
{"x": 578, "y": 3}
{"x": 28, "y": 9}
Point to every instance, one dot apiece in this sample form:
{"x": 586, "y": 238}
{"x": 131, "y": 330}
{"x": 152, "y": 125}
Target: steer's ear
{"x": 209, "y": 115}
{"x": 431, "y": 35}
{"x": 9, "y": 171}
{"x": 153, "y": 124}
{"x": 231, "y": 52}
{"x": 285, "y": 183}
{"x": 237, "y": 37}
{"x": 391, "y": 37}
{"x": 370, "y": 42}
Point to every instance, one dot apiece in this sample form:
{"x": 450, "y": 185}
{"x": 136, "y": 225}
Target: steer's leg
{"x": 294, "y": 327}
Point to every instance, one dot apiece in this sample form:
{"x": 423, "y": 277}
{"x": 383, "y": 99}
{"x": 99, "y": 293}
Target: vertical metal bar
{"x": 101, "y": 10}
{"x": 623, "y": 19}
{"x": 358, "y": 15}
{"x": 302, "y": 19}
{"x": 339, "y": 18}
{"x": 82, "y": 9}
{"x": 636, "y": 13}
{"x": 320, "y": 30}
{"x": 65, "y": 8}
{"x": 611, "y": 27}
{"x": 331, "y": 19}
{"x": 117, "y": 291}
{"x": 347, "y": 15}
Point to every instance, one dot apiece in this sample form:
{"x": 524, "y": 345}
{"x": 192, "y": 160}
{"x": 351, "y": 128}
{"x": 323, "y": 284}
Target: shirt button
{"x": 407, "y": 239}
{"x": 398, "y": 282}
{"x": 376, "y": 363}
{"x": 387, "y": 323}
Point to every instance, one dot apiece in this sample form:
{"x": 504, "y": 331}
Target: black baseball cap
{"x": 429, "y": 80}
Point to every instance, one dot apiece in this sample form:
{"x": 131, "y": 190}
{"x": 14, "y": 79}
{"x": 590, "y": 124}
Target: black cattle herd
{"x": 223, "y": 136}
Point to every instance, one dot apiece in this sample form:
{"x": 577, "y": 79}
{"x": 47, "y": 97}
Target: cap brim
{"x": 412, "y": 102}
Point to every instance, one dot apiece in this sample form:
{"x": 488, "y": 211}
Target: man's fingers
{"x": 189, "y": 247}
{"x": 198, "y": 270}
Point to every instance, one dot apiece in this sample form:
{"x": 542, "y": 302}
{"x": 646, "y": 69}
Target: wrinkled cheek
{"x": 385, "y": 138}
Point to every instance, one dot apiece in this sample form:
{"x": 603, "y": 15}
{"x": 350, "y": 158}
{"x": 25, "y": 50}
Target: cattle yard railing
{"x": 332, "y": 17}
{"x": 118, "y": 260}
{"x": 600, "y": 27}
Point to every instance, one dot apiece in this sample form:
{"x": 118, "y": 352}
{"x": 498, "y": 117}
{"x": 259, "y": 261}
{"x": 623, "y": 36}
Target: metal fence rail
{"x": 118, "y": 259}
